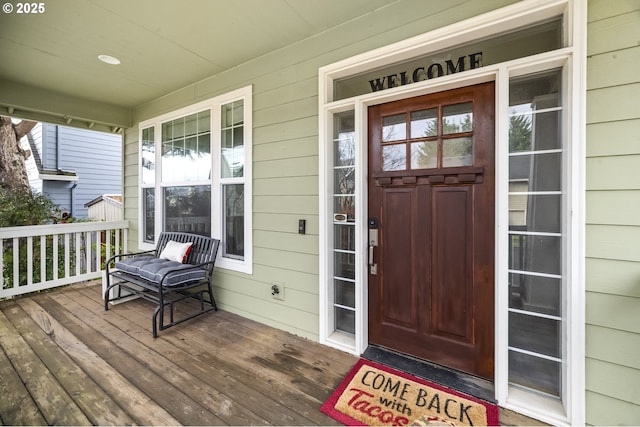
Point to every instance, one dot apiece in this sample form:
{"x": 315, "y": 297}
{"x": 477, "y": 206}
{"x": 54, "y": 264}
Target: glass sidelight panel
{"x": 344, "y": 237}
{"x": 345, "y": 293}
{"x": 533, "y": 372}
{"x": 536, "y": 233}
{"x": 535, "y": 334}
{"x": 345, "y": 320}
{"x": 536, "y": 294}
{"x": 344, "y": 245}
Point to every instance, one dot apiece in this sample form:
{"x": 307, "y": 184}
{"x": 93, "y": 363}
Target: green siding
{"x": 285, "y": 169}
{"x": 613, "y": 225}
{"x": 285, "y": 154}
{"x": 603, "y": 409}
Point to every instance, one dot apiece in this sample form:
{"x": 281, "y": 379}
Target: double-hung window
{"x": 195, "y": 175}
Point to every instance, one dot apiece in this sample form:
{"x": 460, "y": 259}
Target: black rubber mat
{"x": 460, "y": 381}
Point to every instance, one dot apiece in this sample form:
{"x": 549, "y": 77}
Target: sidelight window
{"x": 344, "y": 241}
{"x": 536, "y": 233}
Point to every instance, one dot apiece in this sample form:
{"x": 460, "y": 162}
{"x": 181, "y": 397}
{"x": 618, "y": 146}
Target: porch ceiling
{"x": 49, "y": 62}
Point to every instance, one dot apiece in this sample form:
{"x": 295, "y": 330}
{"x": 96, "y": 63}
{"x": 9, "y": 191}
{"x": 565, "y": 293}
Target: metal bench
{"x": 164, "y": 281}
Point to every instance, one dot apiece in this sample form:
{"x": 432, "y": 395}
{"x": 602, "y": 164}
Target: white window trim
{"x": 213, "y": 104}
{"x": 574, "y": 59}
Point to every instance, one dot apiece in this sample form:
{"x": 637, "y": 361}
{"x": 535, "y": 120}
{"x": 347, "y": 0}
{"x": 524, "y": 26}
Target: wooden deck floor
{"x": 64, "y": 361}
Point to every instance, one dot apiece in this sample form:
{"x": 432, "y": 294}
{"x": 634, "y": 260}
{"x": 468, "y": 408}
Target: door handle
{"x": 373, "y": 242}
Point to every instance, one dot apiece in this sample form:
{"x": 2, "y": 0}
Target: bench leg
{"x": 213, "y": 301}
{"x": 154, "y": 327}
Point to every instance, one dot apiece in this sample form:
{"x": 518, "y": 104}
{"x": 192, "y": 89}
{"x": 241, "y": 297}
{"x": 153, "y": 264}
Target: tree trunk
{"x": 13, "y": 171}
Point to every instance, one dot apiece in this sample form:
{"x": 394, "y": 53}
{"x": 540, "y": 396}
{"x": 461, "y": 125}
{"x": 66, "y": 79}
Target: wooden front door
{"x": 431, "y": 207}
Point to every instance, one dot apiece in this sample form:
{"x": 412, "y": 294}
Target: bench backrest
{"x": 204, "y": 249}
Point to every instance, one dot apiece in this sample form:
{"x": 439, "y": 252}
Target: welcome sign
{"x": 373, "y": 394}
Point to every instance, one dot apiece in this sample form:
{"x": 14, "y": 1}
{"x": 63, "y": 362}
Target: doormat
{"x": 372, "y": 395}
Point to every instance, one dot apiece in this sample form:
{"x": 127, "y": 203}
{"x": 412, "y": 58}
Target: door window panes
{"x": 394, "y": 128}
{"x": 457, "y": 118}
{"x": 424, "y": 123}
{"x": 439, "y": 137}
{"x": 457, "y": 152}
{"x": 424, "y": 155}
{"x": 394, "y": 157}
{"x": 536, "y": 233}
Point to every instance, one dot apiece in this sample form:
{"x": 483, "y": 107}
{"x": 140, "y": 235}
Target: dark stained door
{"x": 431, "y": 196}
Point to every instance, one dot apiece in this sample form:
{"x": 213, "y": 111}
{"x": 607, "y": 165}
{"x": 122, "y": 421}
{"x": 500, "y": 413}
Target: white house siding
{"x": 613, "y": 223}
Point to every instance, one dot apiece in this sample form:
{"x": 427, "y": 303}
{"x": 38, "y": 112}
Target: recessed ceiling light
{"x": 108, "y": 59}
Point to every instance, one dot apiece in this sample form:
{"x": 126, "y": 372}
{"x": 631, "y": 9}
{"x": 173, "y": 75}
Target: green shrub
{"x": 26, "y": 208}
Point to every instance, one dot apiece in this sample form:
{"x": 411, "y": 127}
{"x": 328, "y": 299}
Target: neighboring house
{"x": 107, "y": 207}
{"x": 369, "y": 171}
{"x": 73, "y": 166}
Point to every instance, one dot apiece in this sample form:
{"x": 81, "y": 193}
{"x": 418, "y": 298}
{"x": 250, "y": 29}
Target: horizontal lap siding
{"x": 613, "y": 223}
{"x": 285, "y": 154}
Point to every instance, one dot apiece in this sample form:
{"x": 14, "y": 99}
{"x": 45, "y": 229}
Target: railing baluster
{"x": 55, "y": 257}
{"x": 1, "y": 264}
{"x": 98, "y": 249}
{"x": 29, "y": 259}
{"x": 67, "y": 258}
{"x": 16, "y": 262}
{"x": 78, "y": 253}
{"x": 87, "y": 251}
{"x": 43, "y": 258}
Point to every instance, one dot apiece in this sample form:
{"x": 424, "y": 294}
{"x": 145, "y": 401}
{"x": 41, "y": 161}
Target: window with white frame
{"x": 195, "y": 175}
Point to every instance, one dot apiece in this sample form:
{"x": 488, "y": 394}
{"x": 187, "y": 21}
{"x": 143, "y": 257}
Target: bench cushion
{"x": 154, "y": 271}
{"x": 132, "y": 264}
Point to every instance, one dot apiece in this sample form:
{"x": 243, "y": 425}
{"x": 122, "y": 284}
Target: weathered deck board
{"x": 169, "y": 362}
{"x": 94, "y": 402}
{"x": 226, "y": 352}
{"x": 139, "y": 405}
{"x": 55, "y": 404}
{"x": 64, "y": 360}
{"x": 77, "y": 364}
{"x": 16, "y": 406}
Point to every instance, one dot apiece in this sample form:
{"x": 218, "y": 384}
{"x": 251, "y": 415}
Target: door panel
{"x": 431, "y": 188}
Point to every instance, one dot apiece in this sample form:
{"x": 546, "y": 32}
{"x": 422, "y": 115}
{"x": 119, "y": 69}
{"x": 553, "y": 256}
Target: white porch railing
{"x": 44, "y": 256}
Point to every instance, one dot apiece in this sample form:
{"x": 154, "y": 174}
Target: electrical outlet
{"x": 277, "y": 290}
